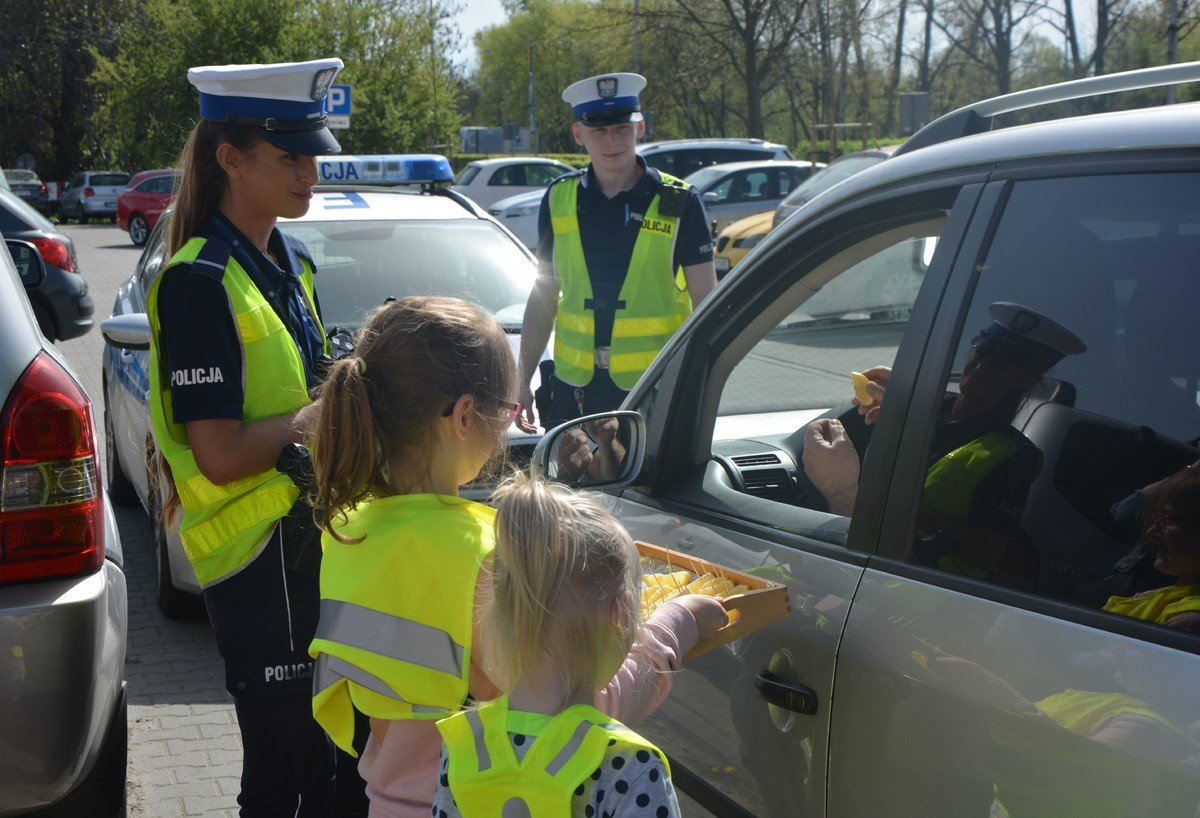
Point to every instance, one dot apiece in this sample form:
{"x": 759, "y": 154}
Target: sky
{"x": 475, "y": 15}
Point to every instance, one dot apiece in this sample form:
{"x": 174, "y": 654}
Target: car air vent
{"x": 765, "y": 459}
{"x": 769, "y": 484}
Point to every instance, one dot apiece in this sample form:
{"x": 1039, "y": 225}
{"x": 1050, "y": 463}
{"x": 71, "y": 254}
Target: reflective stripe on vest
{"x": 486, "y": 778}
{"x": 655, "y": 304}
{"x": 224, "y": 527}
{"x": 397, "y": 610}
{"x": 1157, "y": 606}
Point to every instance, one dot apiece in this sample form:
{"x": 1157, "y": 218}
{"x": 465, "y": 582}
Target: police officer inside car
{"x": 612, "y": 238}
{"x": 237, "y": 343}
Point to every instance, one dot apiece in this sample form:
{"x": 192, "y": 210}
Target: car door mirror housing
{"x": 30, "y": 266}
{"x": 130, "y": 332}
{"x": 711, "y": 197}
{"x": 605, "y": 450}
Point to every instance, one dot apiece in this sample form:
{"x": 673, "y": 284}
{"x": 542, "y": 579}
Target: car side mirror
{"x": 28, "y": 261}
{"x": 130, "y": 332}
{"x": 606, "y": 450}
{"x": 711, "y": 197}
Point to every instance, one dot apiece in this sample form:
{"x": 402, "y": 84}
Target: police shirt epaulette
{"x": 300, "y": 249}
{"x": 212, "y": 259}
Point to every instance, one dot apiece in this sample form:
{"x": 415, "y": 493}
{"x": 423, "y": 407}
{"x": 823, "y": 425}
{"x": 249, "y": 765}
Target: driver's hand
{"x": 831, "y": 463}
{"x": 877, "y": 381}
{"x": 525, "y": 416}
{"x": 604, "y": 431}
{"x": 574, "y": 455}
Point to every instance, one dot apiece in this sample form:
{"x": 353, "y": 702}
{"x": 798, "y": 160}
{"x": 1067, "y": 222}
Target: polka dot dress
{"x": 630, "y": 781}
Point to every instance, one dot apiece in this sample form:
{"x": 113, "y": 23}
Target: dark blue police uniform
{"x": 608, "y": 230}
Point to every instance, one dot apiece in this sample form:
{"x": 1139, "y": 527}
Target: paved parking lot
{"x": 184, "y": 747}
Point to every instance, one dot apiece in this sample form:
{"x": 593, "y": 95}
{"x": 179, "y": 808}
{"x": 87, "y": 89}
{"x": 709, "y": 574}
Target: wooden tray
{"x": 764, "y": 603}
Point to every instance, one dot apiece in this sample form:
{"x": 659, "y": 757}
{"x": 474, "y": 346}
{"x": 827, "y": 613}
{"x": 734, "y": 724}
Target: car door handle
{"x": 797, "y": 697}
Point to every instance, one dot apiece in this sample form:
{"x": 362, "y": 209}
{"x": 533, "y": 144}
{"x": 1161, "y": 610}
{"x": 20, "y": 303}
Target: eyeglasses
{"x": 1003, "y": 350}
{"x": 1165, "y": 519}
{"x": 514, "y": 409}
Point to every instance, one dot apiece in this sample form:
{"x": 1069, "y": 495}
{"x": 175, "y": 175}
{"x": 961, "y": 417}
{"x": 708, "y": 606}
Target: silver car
{"x": 953, "y": 646}
{"x": 92, "y": 194}
{"x": 735, "y": 190}
{"x": 62, "y": 591}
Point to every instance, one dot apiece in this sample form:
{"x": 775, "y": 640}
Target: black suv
{"x": 974, "y": 624}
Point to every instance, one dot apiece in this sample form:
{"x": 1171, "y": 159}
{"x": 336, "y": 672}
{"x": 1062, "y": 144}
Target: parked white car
{"x": 487, "y": 181}
{"x": 520, "y": 215}
{"x": 369, "y": 245}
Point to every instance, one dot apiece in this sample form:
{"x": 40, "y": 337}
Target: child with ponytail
{"x": 418, "y": 413}
{"x": 566, "y": 587}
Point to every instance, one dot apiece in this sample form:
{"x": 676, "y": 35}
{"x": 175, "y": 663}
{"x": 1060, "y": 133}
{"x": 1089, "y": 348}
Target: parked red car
{"x": 143, "y": 200}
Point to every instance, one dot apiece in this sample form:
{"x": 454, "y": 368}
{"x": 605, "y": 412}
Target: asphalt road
{"x": 184, "y": 747}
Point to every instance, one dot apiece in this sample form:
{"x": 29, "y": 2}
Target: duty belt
{"x": 603, "y": 355}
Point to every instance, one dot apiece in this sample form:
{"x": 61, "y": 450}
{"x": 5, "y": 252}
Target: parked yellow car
{"x": 736, "y": 240}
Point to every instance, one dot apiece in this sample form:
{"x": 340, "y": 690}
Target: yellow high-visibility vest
{"x": 488, "y": 781}
{"x": 394, "y": 637}
{"x": 224, "y": 527}
{"x": 655, "y": 302}
{"x": 1157, "y": 606}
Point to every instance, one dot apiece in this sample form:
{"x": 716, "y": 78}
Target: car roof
{"x": 347, "y": 204}
{"x": 707, "y": 142}
{"x": 516, "y": 160}
{"x": 759, "y": 163}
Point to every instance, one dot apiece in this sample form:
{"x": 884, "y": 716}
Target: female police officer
{"x": 237, "y": 342}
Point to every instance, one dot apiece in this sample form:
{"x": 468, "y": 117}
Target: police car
{"x": 955, "y": 647}
{"x": 378, "y": 227}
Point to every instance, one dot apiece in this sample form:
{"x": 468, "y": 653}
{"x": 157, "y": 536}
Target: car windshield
{"x": 467, "y": 174}
{"x": 704, "y": 177}
{"x": 359, "y": 264}
{"x": 830, "y": 176}
{"x": 108, "y": 179}
{"x": 21, "y": 176}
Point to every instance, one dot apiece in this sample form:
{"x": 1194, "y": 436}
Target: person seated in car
{"x": 1172, "y": 524}
{"x": 980, "y": 468}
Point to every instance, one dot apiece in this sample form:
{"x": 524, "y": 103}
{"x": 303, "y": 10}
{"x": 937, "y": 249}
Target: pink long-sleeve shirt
{"x": 400, "y": 762}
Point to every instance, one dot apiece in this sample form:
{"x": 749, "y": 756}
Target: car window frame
{"x": 901, "y": 488}
{"x": 680, "y": 433}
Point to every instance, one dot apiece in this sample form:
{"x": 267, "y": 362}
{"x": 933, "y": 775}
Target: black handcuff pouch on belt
{"x": 301, "y": 536}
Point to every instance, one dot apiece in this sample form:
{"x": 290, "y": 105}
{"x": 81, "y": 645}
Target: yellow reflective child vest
{"x": 488, "y": 781}
{"x": 224, "y": 527}
{"x": 397, "y": 608}
{"x": 655, "y": 303}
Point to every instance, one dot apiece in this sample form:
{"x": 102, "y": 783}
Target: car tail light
{"x": 51, "y": 518}
{"x": 55, "y": 251}
{"x": 44, "y": 190}
{"x": 89, "y": 192}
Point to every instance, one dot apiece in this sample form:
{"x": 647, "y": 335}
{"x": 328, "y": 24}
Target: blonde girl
{"x": 417, "y": 414}
{"x": 566, "y": 585}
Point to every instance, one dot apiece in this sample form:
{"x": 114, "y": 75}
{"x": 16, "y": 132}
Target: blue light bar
{"x": 384, "y": 169}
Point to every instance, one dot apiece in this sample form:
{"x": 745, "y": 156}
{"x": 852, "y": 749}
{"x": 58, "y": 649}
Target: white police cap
{"x": 606, "y": 99}
{"x": 285, "y": 101}
{"x": 1018, "y": 324}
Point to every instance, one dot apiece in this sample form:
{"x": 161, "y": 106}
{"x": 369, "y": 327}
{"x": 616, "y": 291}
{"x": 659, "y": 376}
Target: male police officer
{"x": 611, "y": 240}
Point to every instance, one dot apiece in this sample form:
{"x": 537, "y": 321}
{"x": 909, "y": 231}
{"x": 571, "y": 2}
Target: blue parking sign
{"x": 339, "y": 100}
